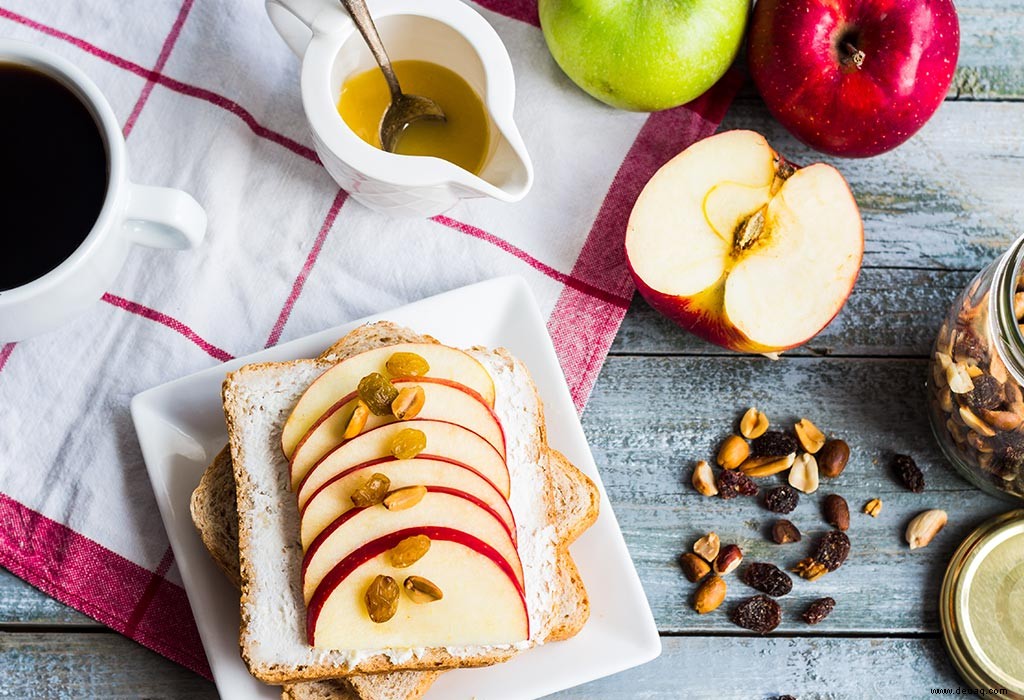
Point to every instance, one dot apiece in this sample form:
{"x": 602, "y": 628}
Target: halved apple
{"x": 447, "y": 441}
{"x": 482, "y": 603}
{"x": 440, "y": 507}
{"x": 443, "y": 400}
{"x": 335, "y": 497}
{"x": 743, "y": 249}
{"x": 342, "y": 378}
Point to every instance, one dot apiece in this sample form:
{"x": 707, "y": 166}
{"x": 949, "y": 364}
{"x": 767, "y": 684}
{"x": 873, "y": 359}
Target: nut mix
{"x": 873, "y": 507}
{"x": 804, "y": 474}
{"x": 784, "y": 532}
{"x": 728, "y": 559}
{"x": 781, "y": 499}
{"x": 753, "y": 424}
{"x": 837, "y": 511}
{"x": 923, "y": 528}
{"x": 709, "y": 595}
{"x": 733, "y": 452}
{"x": 832, "y": 458}
{"x": 707, "y": 547}
{"x": 759, "y": 614}
{"x": 735, "y": 483}
{"x": 818, "y": 610}
{"x": 810, "y": 437}
{"x": 767, "y": 578}
{"x": 694, "y": 567}
{"x": 908, "y": 472}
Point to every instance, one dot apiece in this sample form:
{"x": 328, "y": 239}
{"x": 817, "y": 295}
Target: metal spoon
{"x": 404, "y": 109}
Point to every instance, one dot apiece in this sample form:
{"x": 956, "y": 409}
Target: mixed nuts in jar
{"x": 976, "y": 404}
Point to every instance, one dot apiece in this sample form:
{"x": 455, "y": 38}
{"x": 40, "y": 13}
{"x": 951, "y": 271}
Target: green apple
{"x": 644, "y": 55}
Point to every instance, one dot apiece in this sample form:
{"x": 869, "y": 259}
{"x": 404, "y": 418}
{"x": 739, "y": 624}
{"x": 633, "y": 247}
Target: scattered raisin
{"x": 733, "y": 483}
{"x": 768, "y": 578}
{"x": 818, "y": 610}
{"x": 987, "y": 393}
{"x": 833, "y": 548}
{"x": 774, "y": 443}
{"x": 781, "y": 499}
{"x": 759, "y": 614}
{"x": 784, "y": 532}
{"x": 908, "y": 472}
{"x": 377, "y": 392}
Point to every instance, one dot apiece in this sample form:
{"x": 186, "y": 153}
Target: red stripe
{"x": 300, "y": 281}
{"x": 523, "y": 10}
{"x": 170, "y": 83}
{"x": 581, "y": 330}
{"x": 142, "y": 607}
{"x": 5, "y": 354}
{"x": 98, "y": 582}
{"x": 172, "y": 323}
{"x": 621, "y": 301}
{"x": 161, "y": 61}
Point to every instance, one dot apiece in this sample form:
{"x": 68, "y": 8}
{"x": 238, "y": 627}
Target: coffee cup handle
{"x": 293, "y": 20}
{"x": 162, "y": 217}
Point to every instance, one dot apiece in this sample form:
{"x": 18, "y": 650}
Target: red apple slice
{"x": 440, "y": 507}
{"x": 342, "y": 378}
{"x": 482, "y": 601}
{"x": 443, "y": 400}
{"x": 446, "y": 441}
{"x": 335, "y": 497}
{"x": 743, "y": 249}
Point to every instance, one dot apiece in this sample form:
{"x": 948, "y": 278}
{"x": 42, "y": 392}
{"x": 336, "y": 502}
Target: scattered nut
{"x": 923, "y": 528}
{"x": 703, "y": 479}
{"x": 381, "y": 599}
{"x": 767, "y": 466}
{"x": 818, "y": 610}
{"x": 709, "y": 595}
{"x": 759, "y": 614}
{"x": 357, "y": 421}
{"x": 708, "y": 547}
{"x": 694, "y": 568}
{"x": 781, "y": 499}
{"x": 873, "y": 507}
{"x": 421, "y": 590}
{"x": 837, "y": 512}
{"x": 784, "y": 532}
{"x": 833, "y": 458}
{"x": 733, "y": 452}
{"x": 409, "y": 402}
{"x": 753, "y": 424}
{"x": 908, "y": 472}
{"x": 809, "y": 569}
{"x": 728, "y": 559}
{"x": 405, "y": 497}
{"x": 409, "y": 551}
{"x": 804, "y": 474}
{"x": 372, "y": 491}
{"x": 810, "y": 437}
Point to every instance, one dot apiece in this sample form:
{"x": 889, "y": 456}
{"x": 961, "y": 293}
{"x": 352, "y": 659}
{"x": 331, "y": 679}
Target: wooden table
{"x": 935, "y": 211}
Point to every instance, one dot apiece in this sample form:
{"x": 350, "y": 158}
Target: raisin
{"x": 784, "y": 532}
{"x": 377, "y": 392}
{"x": 987, "y": 393}
{"x": 833, "y": 548}
{"x": 781, "y": 499}
{"x": 774, "y": 443}
{"x": 407, "y": 364}
{"x": 759, "y": 614}
{"x": 733, "y": 483}
{"x": 818, "y": 610}
{"x": 908, "y": 472}
{"x": 768, "y": 578}
{"x": 408, "y": 443}
{"x": 968, "y": 345}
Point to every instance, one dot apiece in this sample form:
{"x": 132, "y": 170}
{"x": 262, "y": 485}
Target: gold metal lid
{"x": 982, "y": 606}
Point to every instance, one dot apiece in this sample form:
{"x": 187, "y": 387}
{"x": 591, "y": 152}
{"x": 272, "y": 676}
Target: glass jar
{"x": 975, "y": 401}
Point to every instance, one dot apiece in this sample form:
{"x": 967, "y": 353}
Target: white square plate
{"x": 181, "y": 427}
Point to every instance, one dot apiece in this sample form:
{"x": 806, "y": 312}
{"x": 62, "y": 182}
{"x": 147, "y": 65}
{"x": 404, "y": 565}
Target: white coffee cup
{"x": 152, "y": 216}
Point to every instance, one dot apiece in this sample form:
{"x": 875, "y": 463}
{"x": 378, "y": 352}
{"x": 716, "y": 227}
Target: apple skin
{"x": 644, "y": 55}
{"x": 800, "y": 60}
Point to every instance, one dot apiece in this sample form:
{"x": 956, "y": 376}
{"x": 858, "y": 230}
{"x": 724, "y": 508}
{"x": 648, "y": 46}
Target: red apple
{"x": 853, "y": 78}
{"x": 740, "y": 247}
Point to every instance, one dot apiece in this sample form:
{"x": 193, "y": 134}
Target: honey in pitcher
{"x": 462, "y": 139}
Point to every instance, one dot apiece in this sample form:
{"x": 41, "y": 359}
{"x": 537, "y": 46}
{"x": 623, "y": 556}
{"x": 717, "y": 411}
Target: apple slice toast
{"x": 552, "y": 503}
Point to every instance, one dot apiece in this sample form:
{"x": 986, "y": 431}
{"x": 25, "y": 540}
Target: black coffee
{"x": 53, "y": 174}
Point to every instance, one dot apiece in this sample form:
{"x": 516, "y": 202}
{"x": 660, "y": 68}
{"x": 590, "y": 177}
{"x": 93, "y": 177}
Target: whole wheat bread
{"x": 259, "y": 397}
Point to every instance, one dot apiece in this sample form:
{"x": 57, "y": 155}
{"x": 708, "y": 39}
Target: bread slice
{"x": 552, "y": 500}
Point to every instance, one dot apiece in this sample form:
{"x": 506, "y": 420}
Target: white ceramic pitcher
{"x": 445, "y": 32}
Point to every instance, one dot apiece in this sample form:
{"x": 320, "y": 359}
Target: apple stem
{"x": 854, "y": 56}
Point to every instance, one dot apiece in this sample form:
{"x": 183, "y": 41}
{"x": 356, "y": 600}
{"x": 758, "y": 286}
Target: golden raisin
{"x": 382, "y": 598}
{"x": 407, "y": 364}
{"x": 409, "y": 551}
{"x": 378, "y": 392}
{"x": 408, "y": 443}
{"x": 372, "y": 492}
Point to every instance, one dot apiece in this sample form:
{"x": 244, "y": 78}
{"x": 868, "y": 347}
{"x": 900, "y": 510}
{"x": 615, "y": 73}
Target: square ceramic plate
{"x": 181, "y": 427}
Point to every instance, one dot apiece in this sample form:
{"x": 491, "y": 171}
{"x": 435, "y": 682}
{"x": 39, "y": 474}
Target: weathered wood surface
{"x": 105, "y": 665}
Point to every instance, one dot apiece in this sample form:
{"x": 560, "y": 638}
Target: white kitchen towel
{"x": 208, "y": 97}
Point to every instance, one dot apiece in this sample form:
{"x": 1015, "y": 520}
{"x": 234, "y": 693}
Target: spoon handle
{"x": 361, "y": 16}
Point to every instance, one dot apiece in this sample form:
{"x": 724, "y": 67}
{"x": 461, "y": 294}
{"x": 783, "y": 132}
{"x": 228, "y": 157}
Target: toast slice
{"x": 552, "y": 500}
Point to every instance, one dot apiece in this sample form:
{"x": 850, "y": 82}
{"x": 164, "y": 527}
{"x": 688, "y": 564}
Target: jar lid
{"x": 981, "y": 608}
